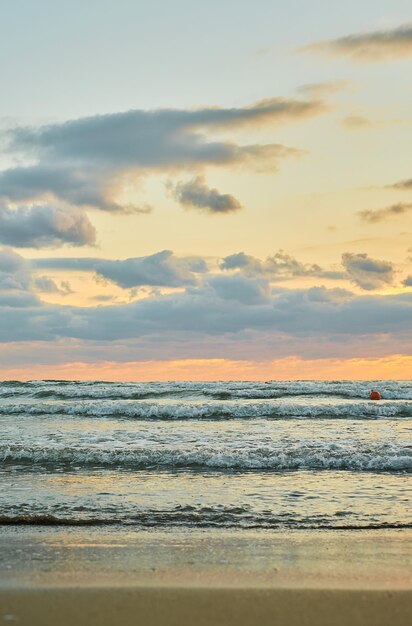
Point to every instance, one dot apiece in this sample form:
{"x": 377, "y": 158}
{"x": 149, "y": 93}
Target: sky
{"x": 201, "y": 191}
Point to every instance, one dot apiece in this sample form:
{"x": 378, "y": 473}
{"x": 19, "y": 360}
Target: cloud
{"x": 162, "y": 269}
{"x": 243, "y": 261}
{"x": 196, "y": 314}
{"x": 374, "y": 216}
{"x": 356, "y": 122}
{"x": 144, "y": 209}
{"x": 11, "y": 299}
{"x": 240, "y": 273}
{"x": 232, "y": 312}
{"x": 368, "y": 47}
{"x": 15, "y": 281}
{"x": 327, "y": 88}
{"x": 14, "y": 271}
{"x": 335, "y": 295}
{"x": 11, "y": 262}
{"x": 403, "y": 185}
{"x": 43, "y": 226}
{"x": 71, "y": 183}
{"x": 44, "y": 284}
{"x": 196, "y": 194}
{"x": 84, "y": 162}
{"x": 247, "y": 290}
{"x": 229, "y": 314}
{"x": 281, "y": 266}
{"x": 368, "y": 273}
{"x": 408, "y": 281}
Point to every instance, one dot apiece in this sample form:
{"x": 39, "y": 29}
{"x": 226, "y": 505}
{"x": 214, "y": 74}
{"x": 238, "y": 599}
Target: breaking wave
{"x": 69, "y": 390}
{"x": 271, "y": 409}
{"x": 204, "y": 517}
{"x": 350, "y": 455}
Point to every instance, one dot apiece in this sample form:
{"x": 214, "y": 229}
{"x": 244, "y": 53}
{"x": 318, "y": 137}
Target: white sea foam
{"x": 349, "y": 455}
{"x": 213, "y": 410}
{"x": 66, "y": 390}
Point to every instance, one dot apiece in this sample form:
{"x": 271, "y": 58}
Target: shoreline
{"x": 44, "y": 556}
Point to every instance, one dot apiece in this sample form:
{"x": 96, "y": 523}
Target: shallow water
{"x": 226, "y": 455}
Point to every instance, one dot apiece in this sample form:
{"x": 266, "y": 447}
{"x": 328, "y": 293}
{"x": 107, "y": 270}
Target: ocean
{"x": 229, "y": 455}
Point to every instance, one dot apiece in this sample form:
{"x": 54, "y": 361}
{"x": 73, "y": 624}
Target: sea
{"x": 228, "y": 455}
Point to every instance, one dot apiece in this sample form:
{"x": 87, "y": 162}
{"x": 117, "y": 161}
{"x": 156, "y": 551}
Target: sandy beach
{"x": 174, "y": 606}
{"x": 86, "y": 576}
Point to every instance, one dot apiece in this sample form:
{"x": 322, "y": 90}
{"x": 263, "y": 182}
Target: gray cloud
{"x": 75, "y": 184}
{"x": 18, "y": 286}
{"x": 15, "y": 281}
{"x": 379, "y": 215}
{"x": 229, "y": 314}
{"x": 278, "y": 267}
{"x": 243, "y": 261}
{"x": 245, "y": 273}
{"x": 162, "y": 269}
{"x": 41, "y": 226}
{"x": 83, "y": 162}
{"x": 311, "y": 313}
{"x": 368, "y": 273}
{"x": 45, "y": 284}
{"x": 408, "y": 281}
{"x": 11, "y": 262}
{"x": 246, "y": 345}
{"x": 196, "y": 194}
{"x": 244, "y": 289}
{"x": 14, "y": 271}
{"x": 368, "y": 47}
{"x": 11, "y": 300}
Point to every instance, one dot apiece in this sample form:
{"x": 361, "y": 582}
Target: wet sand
{"x": 93, "y": 576}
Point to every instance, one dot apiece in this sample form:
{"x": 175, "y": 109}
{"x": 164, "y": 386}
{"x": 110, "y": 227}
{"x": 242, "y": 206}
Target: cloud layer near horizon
{"x": 223, "y": 306}
{"x": 164, "y": 269}
{"x": 229, "y": 313}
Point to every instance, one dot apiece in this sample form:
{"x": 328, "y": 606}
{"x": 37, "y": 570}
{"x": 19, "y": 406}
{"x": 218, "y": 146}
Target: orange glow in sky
{"x": 396, "y": 367}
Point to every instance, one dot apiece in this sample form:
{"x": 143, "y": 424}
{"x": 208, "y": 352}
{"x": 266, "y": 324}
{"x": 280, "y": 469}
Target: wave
{"x": 350, "y": 455}
{"x": 270, "y": 409}
{"x": 48, "y": 520}
{"x": 204, "y": 517}
{"x": 69, "y": 390}
{"x": 101, "y": 395}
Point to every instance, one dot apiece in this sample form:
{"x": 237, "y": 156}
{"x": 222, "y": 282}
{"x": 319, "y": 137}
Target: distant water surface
{"x": 230, "y": 455}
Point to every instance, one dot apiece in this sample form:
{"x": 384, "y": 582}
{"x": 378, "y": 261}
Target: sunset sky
{"x": 217, "y": 190}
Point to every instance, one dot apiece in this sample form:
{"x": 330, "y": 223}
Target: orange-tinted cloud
{"x": 379, "y": 215}
{"x": 368, "y": 47}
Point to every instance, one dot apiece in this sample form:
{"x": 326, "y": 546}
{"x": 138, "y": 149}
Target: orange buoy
{"x": 374, "y": 395}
